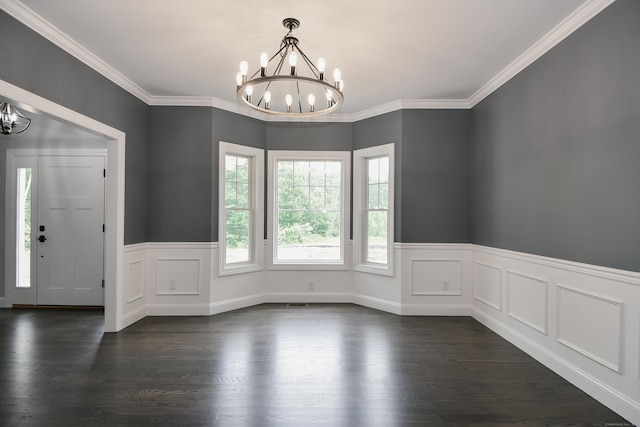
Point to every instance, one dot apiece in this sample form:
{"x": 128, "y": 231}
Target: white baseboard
{"x": 436, "y": 310}
{"x": 133, "y": 316}
{"x": 378, "y": 304}
{"x": 235, "y": 304}
{"x": 178, "y": 309}
{"x": 307, "y": 297}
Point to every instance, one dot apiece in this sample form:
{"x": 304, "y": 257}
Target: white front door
{"x": 70, "y": 230}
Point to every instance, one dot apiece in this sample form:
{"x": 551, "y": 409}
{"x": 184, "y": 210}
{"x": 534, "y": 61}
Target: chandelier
{"x": 11, "y": 120}
{"x": 293, "y": 90}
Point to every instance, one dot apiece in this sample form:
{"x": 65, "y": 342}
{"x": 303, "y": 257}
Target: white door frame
{"x": 114, "y": 200}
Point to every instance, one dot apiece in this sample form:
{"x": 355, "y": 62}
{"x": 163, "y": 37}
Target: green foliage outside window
{"x": 309, "y": 201}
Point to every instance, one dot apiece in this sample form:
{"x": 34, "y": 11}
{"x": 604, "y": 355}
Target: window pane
{"x": 372, "y": 196}
{"x": 236, "y": 186}
{"x": 383, "y": 194}
{"x": 230, "y": 168}
{"x": 317, "y": 199}
{"x": 317, "y": 174}
{"x": 242, "y": 196}
{"x": 373, "y": 170}
{"x": 376, "y": 237}
{"x": 384, "y": 169}
{"x": 333, "y": 173}
{"x": 230, "y": 194}
{"x": 238, "y": 236}
{"x": 308, "y": 210}
{"x": 301, "y": 173}
{"x": 24, "y": 228}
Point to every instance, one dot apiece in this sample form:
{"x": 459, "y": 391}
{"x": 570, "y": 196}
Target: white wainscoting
{"x": 582, "y": 321}
{"x": 488, "y": 284}
{"x": 591, "y": 325}
{"x": 527, "y": 300}
{"x": 435, "y": 279}
{"x": 135, "y": 283}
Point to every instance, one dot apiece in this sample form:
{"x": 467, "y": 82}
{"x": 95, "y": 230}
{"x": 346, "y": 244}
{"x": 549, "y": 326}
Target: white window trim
{"x": 359, "y": 199}
{"x": 257, "y": 209}
{"x": 345, "y": 158}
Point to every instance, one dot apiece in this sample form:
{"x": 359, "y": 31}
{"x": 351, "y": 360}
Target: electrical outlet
{"x": 445, "y": 285}
{"x": 172, "y": 284}
{"x": 311, "y": 285}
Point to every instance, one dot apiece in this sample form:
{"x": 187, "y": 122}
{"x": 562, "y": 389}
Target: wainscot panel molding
{"x": 436, "y": 277}
{"x": 135, "y": 281}
{"x": 582, "y": 321}
{"x": 591, "y": 324}
{"x": 488, "y": 284}
{"x": 178, "y": 276}
{"x": 527, "y": 300}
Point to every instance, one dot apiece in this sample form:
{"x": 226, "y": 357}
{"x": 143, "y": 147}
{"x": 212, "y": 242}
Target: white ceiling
{"x": 441, "y": 52}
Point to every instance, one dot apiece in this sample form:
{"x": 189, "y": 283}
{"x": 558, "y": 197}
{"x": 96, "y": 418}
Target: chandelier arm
{"x": 310, "y": 64}
{"x": 265, "y": 91}
{"x": 299, "y": 101}
{"x": 282, "y": 58}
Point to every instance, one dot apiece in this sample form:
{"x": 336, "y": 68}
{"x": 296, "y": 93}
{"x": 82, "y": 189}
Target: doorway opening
{"x": 114, "y": 202}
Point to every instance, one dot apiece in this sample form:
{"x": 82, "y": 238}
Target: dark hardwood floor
{"x": 270, "y": 365}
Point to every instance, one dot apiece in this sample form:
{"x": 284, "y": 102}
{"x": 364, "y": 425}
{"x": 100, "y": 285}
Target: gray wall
{"x": 36, "y": 65}
{"x": 308, "y": 136}
{"x": 435, "y": 176}
{"x": 180, "y": 174}
{"x": 555, "y": 152}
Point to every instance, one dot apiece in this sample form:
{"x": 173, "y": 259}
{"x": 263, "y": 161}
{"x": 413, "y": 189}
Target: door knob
{"x": 42, "y": 239}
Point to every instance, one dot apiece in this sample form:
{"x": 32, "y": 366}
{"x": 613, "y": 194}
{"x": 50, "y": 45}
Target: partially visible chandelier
{"x": 11, "y": 120}
{"x": 296, "y": 90}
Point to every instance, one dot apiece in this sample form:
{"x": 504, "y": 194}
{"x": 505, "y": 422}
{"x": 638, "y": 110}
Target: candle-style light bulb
{"x": 249, "y": 91}
{"x": 293, "y": 60}
{"x": 264, "y": 61}
{"x": 244, "y": 69}
{"x": 321, "y": 67}
{"x": 340, "y": 85}
{"x": 239, "y": 78}
{"x": 288, "y": 99}
{"x": 267, "y": 100}
{"x": 329, "y": 99}
{"x": 337, "y": 74}
{"x": 312, "y": 101}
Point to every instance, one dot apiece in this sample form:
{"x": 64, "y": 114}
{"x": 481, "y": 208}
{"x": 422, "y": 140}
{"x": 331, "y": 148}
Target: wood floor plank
{"x": 272, "y": 365}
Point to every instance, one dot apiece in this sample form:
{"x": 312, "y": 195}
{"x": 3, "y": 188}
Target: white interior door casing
{"x": 70, "y": 268}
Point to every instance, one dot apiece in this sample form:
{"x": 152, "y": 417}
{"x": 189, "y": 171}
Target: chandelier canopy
{"x": 11, "y": 120}
{"x": 294, "y": 90}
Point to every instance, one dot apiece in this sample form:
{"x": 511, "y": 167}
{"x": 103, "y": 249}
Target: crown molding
{"x": 35, "y": 22}
{"x": 579, "y": 17}
{"x": 561, "y": 31}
